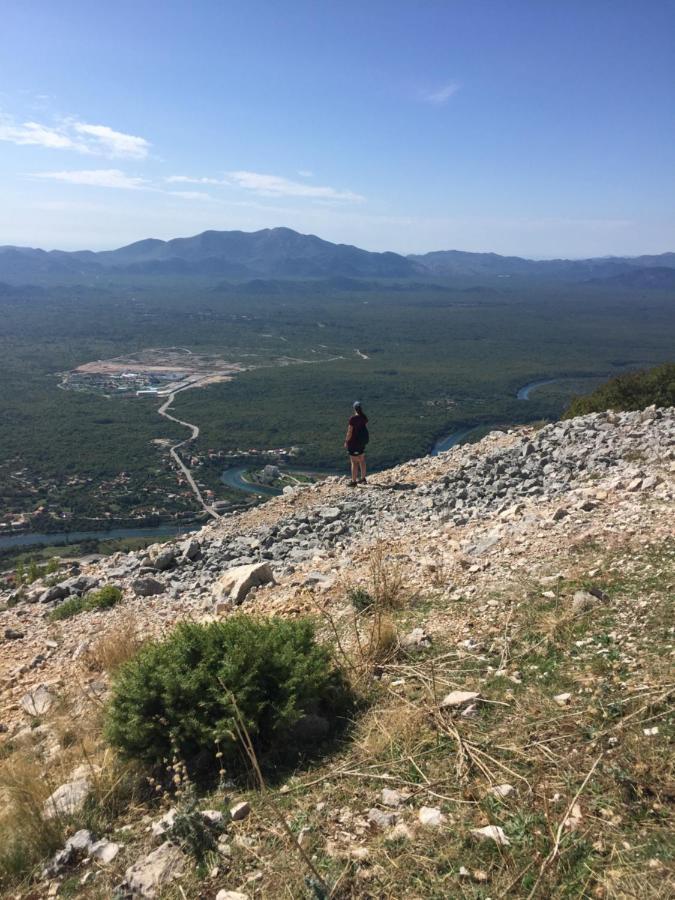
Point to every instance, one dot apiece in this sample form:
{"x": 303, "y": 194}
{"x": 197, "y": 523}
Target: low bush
{"x": 360, "y": 599}
{"x": 188, "y": 696}
{"x": 102, "y": 599}
{"x": 630, "y": 391}
{"x": 67, "y": 609}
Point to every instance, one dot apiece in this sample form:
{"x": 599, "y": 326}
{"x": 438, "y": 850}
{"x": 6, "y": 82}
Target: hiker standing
{"x": 355, "y": 443}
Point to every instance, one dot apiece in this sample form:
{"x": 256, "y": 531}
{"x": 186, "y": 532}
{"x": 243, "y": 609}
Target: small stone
{"x": 150, "y": 873}
{"x": 239, "y": 811}
{"x": 563, "y": 699}
{"x": 650, "y": 732}
{"x": 104, "y": 851}
{"x": 231, "y": 895}
{"x": 583, "y": 601}
{"x": 502, "y": 791}
{"x": 573, "y": 821}
{"x": 431, "y": 816}
{"x": 304, "y": 838}
{"x": 491, "y": 833}
{"x": 381, "y": 819}
{"x": 458, "y": 698}
{"x": 82, "y": 841}
{"x": 11, "y": 634}
{"x": 392, "y": 798}
{"x": 417, "y": 639}
{"x": 214, "y": 816}
{"x": 162, "y": 826}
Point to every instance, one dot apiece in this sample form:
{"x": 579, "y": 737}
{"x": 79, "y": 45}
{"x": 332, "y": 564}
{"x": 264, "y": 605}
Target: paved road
{"x": 194, "y": 433}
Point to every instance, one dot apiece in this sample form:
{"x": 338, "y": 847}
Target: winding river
{"x": 234, "y": 478}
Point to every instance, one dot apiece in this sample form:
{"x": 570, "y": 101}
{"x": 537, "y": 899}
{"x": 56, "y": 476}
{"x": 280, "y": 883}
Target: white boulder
{"x": 235, "y": 584}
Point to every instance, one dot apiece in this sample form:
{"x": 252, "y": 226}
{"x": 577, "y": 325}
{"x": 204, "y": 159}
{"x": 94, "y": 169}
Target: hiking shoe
{"x": 363, "y": 481}
{"x": 352, "y": 484}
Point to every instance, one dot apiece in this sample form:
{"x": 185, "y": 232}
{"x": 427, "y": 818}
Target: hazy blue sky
{"x": 533, "y": 127}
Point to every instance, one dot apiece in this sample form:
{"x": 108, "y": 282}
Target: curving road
{"x": 173, "y": 450}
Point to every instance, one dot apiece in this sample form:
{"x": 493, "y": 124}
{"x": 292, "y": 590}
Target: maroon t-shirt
{"x": 358, "y": 424}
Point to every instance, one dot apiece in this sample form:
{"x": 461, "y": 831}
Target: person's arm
{"x": 350, "y": 433}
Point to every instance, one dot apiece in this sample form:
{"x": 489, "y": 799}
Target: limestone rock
{"x": 12, "y": 634}
{"x": 391, "y": 798}
{"x": 231, "y": 895}
{"x": 235, "y": 584}
{"x": 104, "y": 851}
{"x": 491, "y": 833}
{"x": 150, "y": 873}
{"x": 67, "y": 799}
{"x": 381, "y": 819}
{"x": 239, "y": 811}
{"x": 502, "y": 791}
{"x": 583, "y": 601}
{"x": 147, "y": 587}
{"x": 38, "y": 701}
{"x": 456, "y": 699}
{"x": 56, "y": 592}
{"x": 191, "y": 549}
{"x": 162, "y": 826}
{"x": 417, "y": 639}
{"x": 431, "y": 816}
{"x": 164, "y": 559}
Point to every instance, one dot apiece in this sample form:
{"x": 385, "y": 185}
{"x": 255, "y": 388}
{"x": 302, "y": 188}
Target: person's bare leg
{"x": 354, "y": 464}
{"x": 362, "y": 466}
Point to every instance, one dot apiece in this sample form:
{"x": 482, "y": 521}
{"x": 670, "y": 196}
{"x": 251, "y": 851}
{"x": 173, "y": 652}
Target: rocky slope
{"x": 548, "y": 507}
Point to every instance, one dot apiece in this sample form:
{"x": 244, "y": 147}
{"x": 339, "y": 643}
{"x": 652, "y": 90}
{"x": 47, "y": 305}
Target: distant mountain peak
{"x": 284, "y": 253}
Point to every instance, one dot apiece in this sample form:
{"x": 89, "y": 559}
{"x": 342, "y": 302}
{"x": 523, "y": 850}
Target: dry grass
{"x": 25, "y": 837}
{"x": 115, "y": 647}
{"x": 386, "y": 581}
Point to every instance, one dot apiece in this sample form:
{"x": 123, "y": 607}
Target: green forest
{"x": 424, "y": 360}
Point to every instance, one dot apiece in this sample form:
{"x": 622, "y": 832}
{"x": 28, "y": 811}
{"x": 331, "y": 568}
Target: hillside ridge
{"x": 471, "y": 531}
{"x": 285, "y": 253}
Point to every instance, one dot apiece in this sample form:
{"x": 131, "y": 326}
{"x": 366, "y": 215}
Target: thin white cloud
{"x": 80, "y": 137}
{"x": 441, "y": 95}
{"x": 188, "y": 179}
{"x": 190, "y": 195}
{"x": 271, "y": 185}
{"x": 36, "y": 134}
{"x": 108, "y": 178}
{"x": 278, "y": 186}
{"x": 114, "y": 143}
{"x": 305, "y": 173}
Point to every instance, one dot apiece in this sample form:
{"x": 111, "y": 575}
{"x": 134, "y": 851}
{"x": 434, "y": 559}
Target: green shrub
{"x": 631, "y": 391}
{"x": 70, "y": 607}
{"x": 102, "y": 599}
{"x": 360, "y": 599}
{"x": 184, "y": 696}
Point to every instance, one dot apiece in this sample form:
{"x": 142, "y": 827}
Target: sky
{"x": 527, "y": 127}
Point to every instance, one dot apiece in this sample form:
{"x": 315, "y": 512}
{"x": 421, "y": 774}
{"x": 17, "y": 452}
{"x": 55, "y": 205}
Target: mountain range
{"x": 283, "y": 253}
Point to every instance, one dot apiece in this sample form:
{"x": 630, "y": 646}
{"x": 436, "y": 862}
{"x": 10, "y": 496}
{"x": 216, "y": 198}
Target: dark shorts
{"x": 359, "y": 452}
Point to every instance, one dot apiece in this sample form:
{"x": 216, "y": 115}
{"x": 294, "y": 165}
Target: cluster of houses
{"x": 129, "y": 384}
